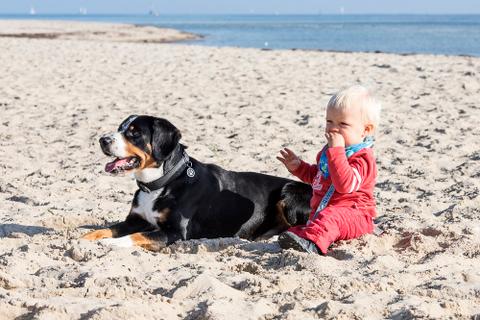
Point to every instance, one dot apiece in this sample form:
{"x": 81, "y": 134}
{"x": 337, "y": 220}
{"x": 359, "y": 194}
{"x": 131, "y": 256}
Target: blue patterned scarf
{"x": 349, "y": 151}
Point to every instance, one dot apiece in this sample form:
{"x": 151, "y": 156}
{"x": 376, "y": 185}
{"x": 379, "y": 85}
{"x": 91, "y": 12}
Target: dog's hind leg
{"x": 296, "y": 202}
{"x": 133, "y": 223}
{"x": 281, "y": 223}
{"x": 247, "y": 230}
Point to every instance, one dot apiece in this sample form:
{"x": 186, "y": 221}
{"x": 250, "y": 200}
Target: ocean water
{"x": 434, "y": 34}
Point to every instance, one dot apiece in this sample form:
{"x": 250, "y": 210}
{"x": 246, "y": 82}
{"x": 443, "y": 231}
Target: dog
{"x": 180, "y": 198}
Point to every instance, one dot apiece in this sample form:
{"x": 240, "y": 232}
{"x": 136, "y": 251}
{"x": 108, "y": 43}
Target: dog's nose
{"x": 105, "y": 141}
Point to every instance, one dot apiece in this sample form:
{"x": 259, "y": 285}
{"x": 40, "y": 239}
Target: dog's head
{"x": 140, "y": 142}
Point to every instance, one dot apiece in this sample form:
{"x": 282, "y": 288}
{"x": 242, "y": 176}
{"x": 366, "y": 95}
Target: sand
{"x": 236, "y": 108}
{"x": 92, "y": 31}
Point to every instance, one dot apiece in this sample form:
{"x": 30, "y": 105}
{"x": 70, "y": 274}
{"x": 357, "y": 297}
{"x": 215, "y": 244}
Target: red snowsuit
{"x": 351, "y": 208}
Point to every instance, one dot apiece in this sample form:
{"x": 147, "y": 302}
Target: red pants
{"x": 335, "y": 223}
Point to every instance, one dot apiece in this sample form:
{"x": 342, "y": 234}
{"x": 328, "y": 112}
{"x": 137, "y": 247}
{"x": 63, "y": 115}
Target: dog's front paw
{"x": 122, "y": 242}
{"x": 98, "y": 234}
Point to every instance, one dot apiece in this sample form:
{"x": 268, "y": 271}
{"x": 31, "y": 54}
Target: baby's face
{"x": 348, "y": 123}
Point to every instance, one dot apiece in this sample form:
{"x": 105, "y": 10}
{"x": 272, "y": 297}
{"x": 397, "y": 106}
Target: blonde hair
{"x": 358, "y": 96}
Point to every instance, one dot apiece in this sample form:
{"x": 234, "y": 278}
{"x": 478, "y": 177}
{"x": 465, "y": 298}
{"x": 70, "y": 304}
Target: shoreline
{"x": 163, "y": 35}
{"x": 93, "y": 31}
{"x": 375, "y": 52}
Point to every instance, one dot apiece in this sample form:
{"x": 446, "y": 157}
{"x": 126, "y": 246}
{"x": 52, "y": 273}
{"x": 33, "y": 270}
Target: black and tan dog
{"x": 180, "y": 198}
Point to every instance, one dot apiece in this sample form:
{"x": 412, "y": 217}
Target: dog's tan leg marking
{"x": 98, "y": 234}
{"x": 147, "y": 240}
{"x": 140, "y": 240}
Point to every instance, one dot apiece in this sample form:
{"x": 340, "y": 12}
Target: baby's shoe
{"x": 289, "y": 240}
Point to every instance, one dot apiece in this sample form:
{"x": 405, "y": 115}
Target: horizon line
{"x": 233, "y": 14}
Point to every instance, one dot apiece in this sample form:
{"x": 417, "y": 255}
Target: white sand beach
{"x": 236, "y": 108}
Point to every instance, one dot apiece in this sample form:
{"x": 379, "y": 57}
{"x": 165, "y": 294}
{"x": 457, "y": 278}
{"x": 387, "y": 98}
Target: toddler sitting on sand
{"x": 343, "y": 205}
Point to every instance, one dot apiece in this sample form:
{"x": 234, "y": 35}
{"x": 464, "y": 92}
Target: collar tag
{"x": 190, "y": 172}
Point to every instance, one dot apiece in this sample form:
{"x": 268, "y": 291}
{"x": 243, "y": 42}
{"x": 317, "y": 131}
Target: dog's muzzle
{"x": 105, "y": 144}
{"x": 113, "y": 145}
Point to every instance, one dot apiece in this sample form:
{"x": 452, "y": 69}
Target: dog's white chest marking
{"x": 145, "y": 207}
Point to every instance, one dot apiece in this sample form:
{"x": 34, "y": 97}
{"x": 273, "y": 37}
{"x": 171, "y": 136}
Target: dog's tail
{"x": 296, "y": 202}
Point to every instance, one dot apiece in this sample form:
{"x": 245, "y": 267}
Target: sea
{"x": 404, "y": 34}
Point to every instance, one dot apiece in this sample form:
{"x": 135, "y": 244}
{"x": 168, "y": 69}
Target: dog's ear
{"x": 165, "y": 138}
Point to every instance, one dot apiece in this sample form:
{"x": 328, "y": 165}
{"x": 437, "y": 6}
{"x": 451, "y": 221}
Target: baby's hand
{"x": 335, "y": 139}
{"x": 289, "y": 159}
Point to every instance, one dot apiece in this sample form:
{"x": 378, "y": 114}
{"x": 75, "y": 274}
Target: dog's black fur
{"x": 213, "y": 203}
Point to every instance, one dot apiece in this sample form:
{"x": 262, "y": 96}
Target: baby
{"x": 343, "y": 178}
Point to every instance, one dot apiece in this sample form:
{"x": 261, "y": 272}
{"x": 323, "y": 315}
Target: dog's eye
{"x": 132, "y": 134}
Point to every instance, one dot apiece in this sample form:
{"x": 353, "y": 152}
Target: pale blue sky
{"x": 244, "y": 6}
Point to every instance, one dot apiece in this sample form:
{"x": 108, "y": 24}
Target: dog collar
{"x": 169, "y": 176}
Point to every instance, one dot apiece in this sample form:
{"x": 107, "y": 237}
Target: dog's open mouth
{"x": 122, "y": 164}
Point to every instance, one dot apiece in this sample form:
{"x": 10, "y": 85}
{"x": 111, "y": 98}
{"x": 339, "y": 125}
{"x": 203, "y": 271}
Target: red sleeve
{"x": 306, "y": 172}
{"x": 347, "y": 176}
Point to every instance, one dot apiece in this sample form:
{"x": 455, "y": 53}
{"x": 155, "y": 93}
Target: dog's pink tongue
{"x": 109, "y": 167}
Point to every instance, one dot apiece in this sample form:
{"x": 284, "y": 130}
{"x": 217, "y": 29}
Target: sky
{"x": 243, "y": 6}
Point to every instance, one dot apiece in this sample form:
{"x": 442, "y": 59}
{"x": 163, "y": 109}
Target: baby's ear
{"x": 369, "y": 129}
